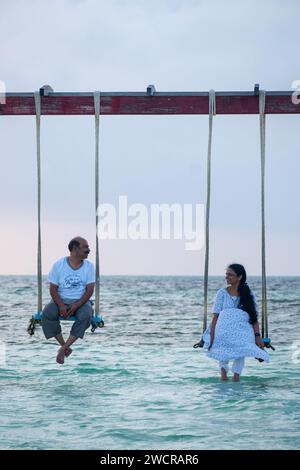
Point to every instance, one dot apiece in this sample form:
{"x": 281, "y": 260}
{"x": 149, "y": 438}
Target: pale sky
{"x": 125, "y": 45}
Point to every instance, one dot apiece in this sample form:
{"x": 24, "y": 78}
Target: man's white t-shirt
{"x": 71, "y": 282}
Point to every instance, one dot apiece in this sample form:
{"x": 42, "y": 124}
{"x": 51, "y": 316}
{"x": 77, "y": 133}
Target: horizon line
{"x": 169, "y": 275}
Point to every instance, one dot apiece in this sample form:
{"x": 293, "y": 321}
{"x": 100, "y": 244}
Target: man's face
{"x": 83, "y": 250}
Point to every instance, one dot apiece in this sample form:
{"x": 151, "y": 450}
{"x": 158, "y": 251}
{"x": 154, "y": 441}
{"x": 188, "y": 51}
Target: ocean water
{"x": 138, "y": 383}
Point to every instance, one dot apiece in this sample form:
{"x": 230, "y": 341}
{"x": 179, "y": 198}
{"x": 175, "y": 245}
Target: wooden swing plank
{"x": 277, "y": 102}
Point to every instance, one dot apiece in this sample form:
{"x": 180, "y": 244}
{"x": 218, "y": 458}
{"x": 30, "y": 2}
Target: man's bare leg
{"x": 236, "y": 377}
{"x": 60, "y": 339}
{"x": 65, "y": 349}
{"x": 70, "y": 341}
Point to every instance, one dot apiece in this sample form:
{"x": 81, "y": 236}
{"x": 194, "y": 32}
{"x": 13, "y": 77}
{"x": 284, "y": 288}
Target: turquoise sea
{"x": 138, "y": 383}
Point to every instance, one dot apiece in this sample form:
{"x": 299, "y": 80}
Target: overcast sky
{"x": 124, "y": 45}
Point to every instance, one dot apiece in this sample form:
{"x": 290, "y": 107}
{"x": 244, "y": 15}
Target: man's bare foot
{"x": 68, "y": 351}
{"x": 223, "y": 374}
{"x": 60, "y": 358}
{"x": 236, "y": 377}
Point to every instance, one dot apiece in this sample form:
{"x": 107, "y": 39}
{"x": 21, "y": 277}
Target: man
{"x": 72, "y": 282}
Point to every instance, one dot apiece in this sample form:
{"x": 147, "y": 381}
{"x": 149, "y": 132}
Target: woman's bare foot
{"x": 223, "y": 374}
{"x": 236, "y": 377}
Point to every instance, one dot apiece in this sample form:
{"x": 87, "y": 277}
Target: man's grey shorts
{"x": 51, "y": 324}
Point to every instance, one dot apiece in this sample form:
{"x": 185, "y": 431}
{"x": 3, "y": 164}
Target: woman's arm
{"x": 258, "y": 339}
{"x": 217, "y": 308}
{"x": 212, "y": 329}
{"x": 256, "y": 328}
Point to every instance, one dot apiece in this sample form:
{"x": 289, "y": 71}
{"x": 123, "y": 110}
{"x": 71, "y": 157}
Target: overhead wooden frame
{"x": 149, "y": 103}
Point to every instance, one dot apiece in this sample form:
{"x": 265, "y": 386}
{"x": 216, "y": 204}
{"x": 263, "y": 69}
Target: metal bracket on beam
{"x": 256, "y": 89}
{"x": 45, "y": 90}
{"x": 150, "y": 90}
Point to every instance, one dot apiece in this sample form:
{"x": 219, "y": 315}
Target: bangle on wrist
{"x": 257, "y": 334}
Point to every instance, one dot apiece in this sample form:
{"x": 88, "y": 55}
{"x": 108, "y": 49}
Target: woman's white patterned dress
{"x": 234, "y": 335}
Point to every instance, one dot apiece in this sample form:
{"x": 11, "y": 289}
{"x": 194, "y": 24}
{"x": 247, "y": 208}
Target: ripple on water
{"x": 138, "y": 383}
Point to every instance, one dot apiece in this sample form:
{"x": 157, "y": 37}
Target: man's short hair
{"x": 74, "y": 243}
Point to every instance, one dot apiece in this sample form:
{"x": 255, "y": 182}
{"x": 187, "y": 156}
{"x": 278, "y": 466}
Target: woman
{"x": 234, "y": 330}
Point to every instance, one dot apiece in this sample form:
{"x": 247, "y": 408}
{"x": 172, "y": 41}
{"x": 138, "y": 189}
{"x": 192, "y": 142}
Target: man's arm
{"x": 86, "y": 296}
{"x": 54, "y": 294}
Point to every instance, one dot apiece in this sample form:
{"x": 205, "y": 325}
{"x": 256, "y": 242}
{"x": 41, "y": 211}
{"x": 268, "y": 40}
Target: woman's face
{"x": 231, "y": 277}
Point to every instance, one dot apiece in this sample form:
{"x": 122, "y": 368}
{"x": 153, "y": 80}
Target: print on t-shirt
{"x": 72, "y": 281}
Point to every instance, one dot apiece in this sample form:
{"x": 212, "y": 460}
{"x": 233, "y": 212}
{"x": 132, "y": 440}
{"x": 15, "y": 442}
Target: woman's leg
{"x": 224, "y": 369}
{"x": 237, "y": 367}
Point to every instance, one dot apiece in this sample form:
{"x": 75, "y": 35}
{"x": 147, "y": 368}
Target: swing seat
{"x": 96, "y": 322}
{"x": 205, "y": 342}
{"x": 38, "y": 318}
{"x": 268, "y": 344}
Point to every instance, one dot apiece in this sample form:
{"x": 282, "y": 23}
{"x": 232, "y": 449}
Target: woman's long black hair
{"x": 246, "y": 298}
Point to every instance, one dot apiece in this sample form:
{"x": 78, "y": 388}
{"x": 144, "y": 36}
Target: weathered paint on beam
{"x": 141, "y": 103}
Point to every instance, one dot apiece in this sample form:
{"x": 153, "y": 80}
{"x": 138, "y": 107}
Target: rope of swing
{"x": 37, "y": 100}
{"x": 262, "y": 120}
{"x": 97, "y": 122}
{"x": 212, "y": 112}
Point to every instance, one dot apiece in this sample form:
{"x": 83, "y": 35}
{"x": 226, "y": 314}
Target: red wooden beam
{"x": 277, "y": 102}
